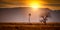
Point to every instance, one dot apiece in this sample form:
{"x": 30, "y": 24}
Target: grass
{"x": 29, "y": 26}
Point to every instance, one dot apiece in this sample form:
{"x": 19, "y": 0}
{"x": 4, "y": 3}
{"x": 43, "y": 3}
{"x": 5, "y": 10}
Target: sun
{"x": 35, "y": 4}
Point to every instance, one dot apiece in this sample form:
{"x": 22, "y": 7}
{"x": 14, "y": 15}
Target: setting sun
{"x": 35, "y": 4}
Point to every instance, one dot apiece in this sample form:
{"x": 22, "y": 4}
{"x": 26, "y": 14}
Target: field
{"x": 29, "y": 26}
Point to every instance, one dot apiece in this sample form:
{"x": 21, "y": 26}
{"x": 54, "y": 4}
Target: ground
{"x": 29, "y": 26}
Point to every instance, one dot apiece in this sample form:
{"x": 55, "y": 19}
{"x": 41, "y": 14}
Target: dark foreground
{"x": 29, "y": 26}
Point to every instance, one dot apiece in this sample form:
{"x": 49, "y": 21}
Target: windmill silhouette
{"x": 29, "y": 17}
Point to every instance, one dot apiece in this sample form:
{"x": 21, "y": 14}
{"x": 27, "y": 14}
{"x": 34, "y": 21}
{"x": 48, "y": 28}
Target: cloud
{"x": 24, "y": 3}
{"x": 51, "y": 1}
{"x": 57, "y": 5}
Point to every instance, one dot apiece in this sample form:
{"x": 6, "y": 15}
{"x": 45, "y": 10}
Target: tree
{"x": 44, "y": 15}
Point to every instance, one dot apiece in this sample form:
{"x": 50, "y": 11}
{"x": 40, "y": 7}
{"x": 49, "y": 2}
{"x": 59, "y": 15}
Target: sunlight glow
{"x": 35, "y": 4}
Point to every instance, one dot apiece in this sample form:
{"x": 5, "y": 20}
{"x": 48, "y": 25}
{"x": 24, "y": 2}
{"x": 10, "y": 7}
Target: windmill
{"x": 29, "y": 17}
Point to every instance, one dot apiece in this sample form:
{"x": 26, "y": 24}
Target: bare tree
{"x": 44, "y": 16}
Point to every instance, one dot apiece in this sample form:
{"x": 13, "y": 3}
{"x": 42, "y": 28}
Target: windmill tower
{"x": 29, "y": 17}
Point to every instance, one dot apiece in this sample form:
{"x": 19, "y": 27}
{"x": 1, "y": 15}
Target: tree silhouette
{"x": 44, "y": 15}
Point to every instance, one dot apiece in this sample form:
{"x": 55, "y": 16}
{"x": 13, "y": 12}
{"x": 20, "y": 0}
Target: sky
{"x": 18, "y": 10}
{"x": 21, "y": 15}
{"x": 52, "y": 4}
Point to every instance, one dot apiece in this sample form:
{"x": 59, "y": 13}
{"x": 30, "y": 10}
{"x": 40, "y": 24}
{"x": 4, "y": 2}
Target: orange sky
{"x": 52, "y": 4}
